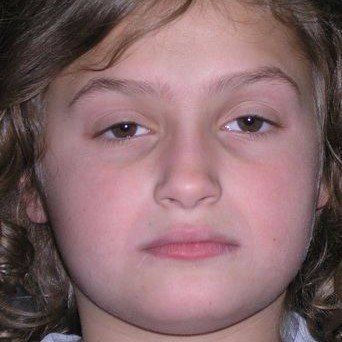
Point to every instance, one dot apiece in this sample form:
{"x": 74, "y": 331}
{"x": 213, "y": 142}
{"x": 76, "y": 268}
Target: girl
{"x": 170, "y": 170}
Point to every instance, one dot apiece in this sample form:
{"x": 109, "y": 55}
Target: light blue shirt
{"x": 294, "y": 330}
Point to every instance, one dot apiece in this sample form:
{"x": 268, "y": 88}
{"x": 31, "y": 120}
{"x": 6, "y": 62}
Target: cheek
{"x": 278, "y": 203}
{"x": 92, "y": 211}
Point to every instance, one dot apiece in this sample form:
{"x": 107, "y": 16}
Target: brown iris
{"x": 124, "y": 130}
{"x": 250, "y": 123}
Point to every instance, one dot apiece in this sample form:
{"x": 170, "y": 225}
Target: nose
{"x": 189, "y": 176}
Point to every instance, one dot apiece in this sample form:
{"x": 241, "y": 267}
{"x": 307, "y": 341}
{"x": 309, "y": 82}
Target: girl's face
{"x": 224, "y": 142}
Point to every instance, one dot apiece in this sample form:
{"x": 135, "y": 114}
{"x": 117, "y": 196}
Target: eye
{"x": 124, "y": 131}
{"x": 249, "y": 124}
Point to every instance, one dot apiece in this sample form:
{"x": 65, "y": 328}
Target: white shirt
{"x": 294, "y": 330}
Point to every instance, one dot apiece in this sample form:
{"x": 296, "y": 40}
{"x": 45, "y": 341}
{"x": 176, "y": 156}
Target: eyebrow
{"x": 133, "y": 87}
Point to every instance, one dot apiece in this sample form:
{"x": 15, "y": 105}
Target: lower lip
{"x": 190, "y": 251}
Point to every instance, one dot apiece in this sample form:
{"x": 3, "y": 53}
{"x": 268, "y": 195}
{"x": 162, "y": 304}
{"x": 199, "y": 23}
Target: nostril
{"x": 187, "y": 190}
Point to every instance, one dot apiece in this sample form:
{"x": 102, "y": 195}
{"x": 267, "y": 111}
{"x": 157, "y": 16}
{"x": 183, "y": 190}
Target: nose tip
{"x": 188, "y": 190}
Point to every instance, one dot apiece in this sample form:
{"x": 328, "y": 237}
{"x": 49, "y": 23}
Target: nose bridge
{"x": 185, "y": 147}
{"x": 188, "y": 174}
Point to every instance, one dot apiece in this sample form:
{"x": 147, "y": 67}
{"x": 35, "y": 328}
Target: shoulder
{"x": 55, "y": 337}
{"x": 295, "y": 329}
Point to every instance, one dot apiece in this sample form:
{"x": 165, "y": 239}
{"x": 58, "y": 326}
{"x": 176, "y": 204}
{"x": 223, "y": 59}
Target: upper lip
{"x": 189, "y": 234}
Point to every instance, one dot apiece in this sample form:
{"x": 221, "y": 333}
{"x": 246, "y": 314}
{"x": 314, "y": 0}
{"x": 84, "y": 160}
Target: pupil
{"x": 250, "y": 124}
{"x": 124, "y": 130}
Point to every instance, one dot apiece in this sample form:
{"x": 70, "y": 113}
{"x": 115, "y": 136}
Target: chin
{"x": 190, "y": 320}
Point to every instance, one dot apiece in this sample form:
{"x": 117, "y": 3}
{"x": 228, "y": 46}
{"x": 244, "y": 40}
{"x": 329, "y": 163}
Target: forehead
{"x": 203, "y": 44}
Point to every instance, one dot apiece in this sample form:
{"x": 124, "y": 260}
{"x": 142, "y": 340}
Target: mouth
{"x": 190, "y": 244}
{"x": 190, "y": 250}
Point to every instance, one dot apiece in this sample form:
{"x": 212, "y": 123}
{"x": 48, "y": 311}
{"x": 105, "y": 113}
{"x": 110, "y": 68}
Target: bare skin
{"x": 190, "y": 164}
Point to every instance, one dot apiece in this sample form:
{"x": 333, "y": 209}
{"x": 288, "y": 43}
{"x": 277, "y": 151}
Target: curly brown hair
{"x": 38, "y": 39}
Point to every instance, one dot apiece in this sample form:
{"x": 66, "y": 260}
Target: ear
{"x": 34, "y": 208}
{"x": 323, "y": 196}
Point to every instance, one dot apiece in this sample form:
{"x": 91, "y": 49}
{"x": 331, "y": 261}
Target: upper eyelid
{"x": 243, "y": 109}
{"x": 260, "y": 110}
{"x": 106, "y": 127}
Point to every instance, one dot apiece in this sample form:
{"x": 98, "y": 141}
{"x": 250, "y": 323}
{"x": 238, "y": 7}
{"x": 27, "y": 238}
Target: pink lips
{"x": 194, "y": 243}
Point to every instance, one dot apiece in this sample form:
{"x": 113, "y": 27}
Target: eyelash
{"x": 255, "y": 135}
{"x": 250, "y": 135}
